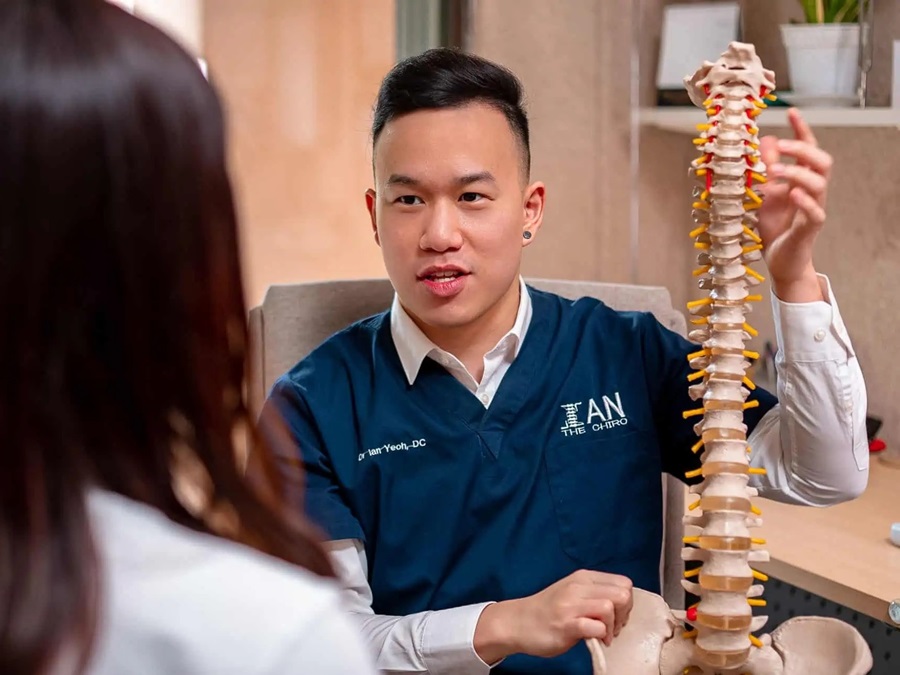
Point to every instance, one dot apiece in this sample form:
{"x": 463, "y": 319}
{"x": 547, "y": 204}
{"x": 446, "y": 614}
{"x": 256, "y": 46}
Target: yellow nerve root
{"x": 753, "y": 273}
{"x": 694, "y": 473}
{"x": 750, "y": 233}
{"x": 697, "y": 375}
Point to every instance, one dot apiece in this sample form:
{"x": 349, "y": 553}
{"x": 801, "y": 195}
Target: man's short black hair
{"x": 448, "y": 78}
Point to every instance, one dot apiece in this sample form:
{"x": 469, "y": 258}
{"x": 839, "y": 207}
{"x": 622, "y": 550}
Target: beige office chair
{"x": 293, "y": 319}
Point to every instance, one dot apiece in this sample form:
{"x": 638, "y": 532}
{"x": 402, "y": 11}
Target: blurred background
{"x": 299, "y": 78}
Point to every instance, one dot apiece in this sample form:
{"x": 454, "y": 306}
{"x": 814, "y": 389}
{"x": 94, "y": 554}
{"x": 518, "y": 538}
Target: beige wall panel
{"x": 299, "y": 78}
{"x": 573, "y": 58}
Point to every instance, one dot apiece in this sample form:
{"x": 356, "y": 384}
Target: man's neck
{"x": 469, "y": 343}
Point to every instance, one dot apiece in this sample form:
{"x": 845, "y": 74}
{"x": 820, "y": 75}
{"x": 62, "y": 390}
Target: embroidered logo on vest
{"x": 580, "y": 419}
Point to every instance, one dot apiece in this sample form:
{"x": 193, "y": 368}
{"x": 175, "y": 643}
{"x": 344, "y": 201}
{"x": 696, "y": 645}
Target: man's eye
{"x": 409, "y": 200}
{"x": 471, "y": 197}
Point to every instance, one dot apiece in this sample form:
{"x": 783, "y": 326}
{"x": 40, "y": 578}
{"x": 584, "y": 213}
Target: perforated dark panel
{"x": 786, "y": 601}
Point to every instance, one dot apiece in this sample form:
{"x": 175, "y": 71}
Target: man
{"x": 474, "y": 522}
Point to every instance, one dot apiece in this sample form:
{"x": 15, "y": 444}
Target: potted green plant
{"x": 823, "y": 52}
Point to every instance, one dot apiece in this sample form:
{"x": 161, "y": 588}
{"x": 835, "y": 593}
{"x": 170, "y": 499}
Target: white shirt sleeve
{"x": 329, "y": 645}
{"x": 427, "y": 642}
{"x": 813, "y": 444}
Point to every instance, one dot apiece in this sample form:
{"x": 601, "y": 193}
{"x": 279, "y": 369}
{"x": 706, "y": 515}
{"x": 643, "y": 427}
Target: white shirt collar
{"x": 413, "y": 346}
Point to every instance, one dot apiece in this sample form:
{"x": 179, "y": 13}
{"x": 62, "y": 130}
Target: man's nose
{"x": 442, "y": 229}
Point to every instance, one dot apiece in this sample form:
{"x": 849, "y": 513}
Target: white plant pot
{"x": 823, "y": 59}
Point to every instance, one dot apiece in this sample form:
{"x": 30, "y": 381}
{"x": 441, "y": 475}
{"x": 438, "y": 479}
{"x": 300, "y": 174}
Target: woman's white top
{"x": 178, "y": 602}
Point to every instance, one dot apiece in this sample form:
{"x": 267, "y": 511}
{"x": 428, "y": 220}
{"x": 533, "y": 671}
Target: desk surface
{"x": 842, "y": 553}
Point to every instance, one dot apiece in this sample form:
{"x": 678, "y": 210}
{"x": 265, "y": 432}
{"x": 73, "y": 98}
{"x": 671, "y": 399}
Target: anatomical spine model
{"x": 733, "y": 90}
{"x": 721, "y": 640}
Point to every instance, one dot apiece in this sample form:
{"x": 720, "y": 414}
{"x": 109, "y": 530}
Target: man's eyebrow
{"x": 400, "y": 179}
{"x": 481, "y": 176}
{"x": 465, "y": 179}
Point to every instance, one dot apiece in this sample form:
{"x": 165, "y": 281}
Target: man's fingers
{"x": 603, "y": 578}
{"x": 618, "y": 595}
{"x": 590, "y": 628}
{"x": 815, "y": 214}
{"x": 601, "y": 610}
{"x": 607, "y": 597}
{"x": 768, "y": 150}
{"x": 802, "y": 130}
{"x": 802, "y": 177}
{"x": 807, "y": 155}
{"x": 620, "y": 600}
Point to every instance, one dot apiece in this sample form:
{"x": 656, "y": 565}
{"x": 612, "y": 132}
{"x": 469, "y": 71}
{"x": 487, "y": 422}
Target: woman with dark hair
{"x": 130, "y": 539}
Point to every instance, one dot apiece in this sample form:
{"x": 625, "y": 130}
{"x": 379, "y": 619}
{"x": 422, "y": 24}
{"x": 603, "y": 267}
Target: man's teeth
{"x": 444, "y": 276}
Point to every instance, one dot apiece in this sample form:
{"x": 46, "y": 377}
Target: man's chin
{"x": 443, "y": 315}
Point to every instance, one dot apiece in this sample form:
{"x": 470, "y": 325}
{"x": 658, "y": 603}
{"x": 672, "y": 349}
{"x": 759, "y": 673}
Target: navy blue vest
{"x": 457, "y": 504}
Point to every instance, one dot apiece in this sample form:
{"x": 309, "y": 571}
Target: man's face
{"x": 449, "y": 211}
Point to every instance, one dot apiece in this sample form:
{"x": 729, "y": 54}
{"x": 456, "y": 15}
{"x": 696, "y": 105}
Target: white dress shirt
{"x": 177, "y": 601}
{"x": 812, "y": 444}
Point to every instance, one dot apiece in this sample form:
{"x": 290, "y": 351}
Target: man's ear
{"x": 533, "y": 206}
{"x": 370, "y": 205}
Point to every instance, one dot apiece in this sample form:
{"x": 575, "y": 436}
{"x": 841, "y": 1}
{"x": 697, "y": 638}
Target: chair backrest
{"x": 294, "y": 319}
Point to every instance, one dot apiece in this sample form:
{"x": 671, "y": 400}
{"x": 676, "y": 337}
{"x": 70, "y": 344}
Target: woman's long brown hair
{"x": 122, "y": 319}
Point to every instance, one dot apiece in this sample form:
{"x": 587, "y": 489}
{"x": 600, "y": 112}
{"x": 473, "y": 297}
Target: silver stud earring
{"x": 526, "y": 234}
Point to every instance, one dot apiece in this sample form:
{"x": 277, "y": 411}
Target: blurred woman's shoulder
{"x": 175, "y": 600}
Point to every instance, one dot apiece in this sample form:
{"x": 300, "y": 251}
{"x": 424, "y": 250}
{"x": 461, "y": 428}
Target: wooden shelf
{"x": 684, "y": 119}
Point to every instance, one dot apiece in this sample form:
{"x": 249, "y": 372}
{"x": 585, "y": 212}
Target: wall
{"x": 574, "y": 59}
{"x": 299, "y": 78}
{"x": 572, "y": 69}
